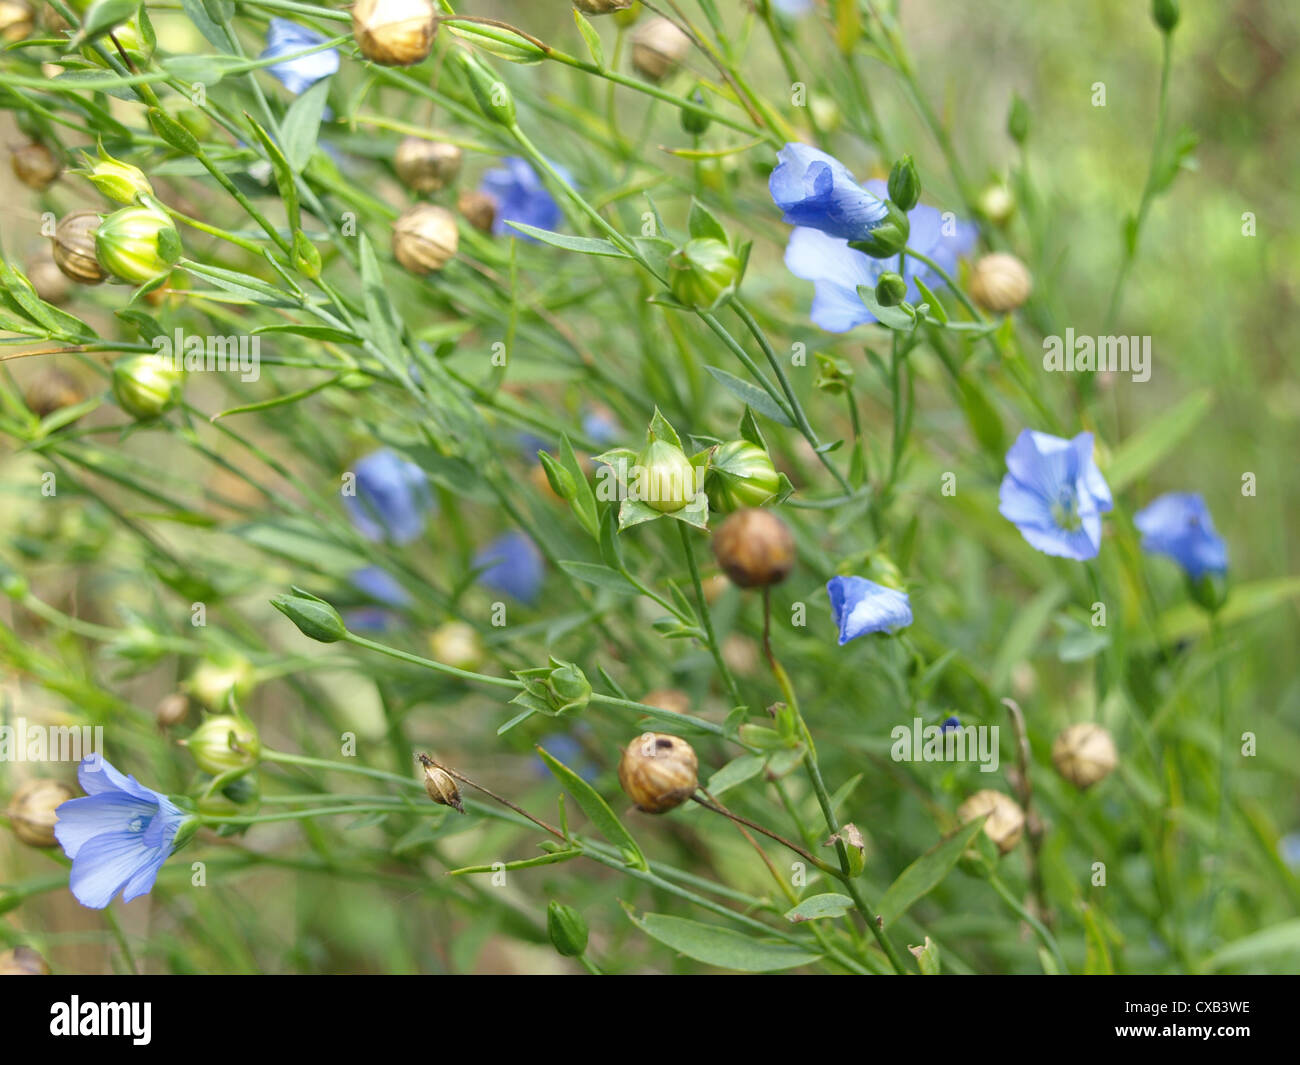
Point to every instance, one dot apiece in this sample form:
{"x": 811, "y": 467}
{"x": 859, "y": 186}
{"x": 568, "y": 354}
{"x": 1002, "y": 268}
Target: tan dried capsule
{"x": 658, "y": 46}
{"x": 48, "y": 280}
{"x": 426, "y": 166}
{"x": 171, "y": 709}
{"x": 23, "y": 961}
{"x": 440, "y": 785}
{"x": 394, "y": 33}
{"x": 1006, "y": 820}
{"x": 74, "y": 247}
{"x": 674, "y": 700}
{"x": 755, "y": 548}
{"x": 16, "y": 20}
{"x": 425, "y": 238}
{"x": 31, "y": 810}
{"x": 658, "y": 772}
{"x": 602, "y": 7}
{"x": 35, "y": 166}
{"x": 52, "y": 390}
{"x": 478, "y": 209}
{"x": 1000, "y": 282}
{"x": 1084, "y": 754}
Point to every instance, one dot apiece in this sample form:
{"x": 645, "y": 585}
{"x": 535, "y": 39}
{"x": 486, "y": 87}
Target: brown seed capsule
{"x": 52, "y": 390}
{"x": 1084, "y": 754}
{"x": 602, "y": 7}
{"x": 440, "y": 785}
{"x": 1006, "y": 820}
{"x": 48, "y": 280}
{"x": 23, "y": 961}
{"x": 425, "y": 238}
{"x": 35, "y": 166}
{"x": 426, "y": 166}
{"x": 171, "y": 709}
{"x": 74, "y": 247}
{"x": 755, "y": 548}
{"x": 674, "y": 700}
{"x": 658, "y": 772}
{"x": 394, "y": 33}
{"x": 478, "y": 209}
{"x": 16, "y": 20}
{"x": 657, "y": 47}
{"x": 1000, "y": 282}
{"x": 31, "y": 810}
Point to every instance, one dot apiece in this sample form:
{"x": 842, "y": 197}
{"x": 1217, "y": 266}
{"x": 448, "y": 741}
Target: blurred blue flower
{"x": 1289, "y": 849}
{"x": 380, "y": 586}
{"x": 530, "y": 444}
{"x": 793, "y": 8}
{"x": 566, "y": 749}
{"x": 521, "y": 197}
{"x": 511, "y": 565}
{"x": 952, "y": 722}
{"x": 118, "y": 836}
{"x": 298, "y": 75}
{"x": 815, "y": 189}
{"x": 861, "y": 606}
{"x": 1178, "y": 524}
{"x": 1054, "y": 494}
{"x": 600, "y": 427}
{"x": 392, "y": 498}
{"x": 836, "y": 270}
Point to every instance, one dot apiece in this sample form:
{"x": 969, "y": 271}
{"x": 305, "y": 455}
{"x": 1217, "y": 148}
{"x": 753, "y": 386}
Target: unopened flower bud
{"x": 48, "y": 280}
{"x": 702, "y": 273}
{"x": 665, "y": 477}
{"x": 490, "y": 92}
{"x": 394, "y": 33}
{"x": 117, "y": 180}
{"x": 565, "y": 926}
{"x": 891, "y": 289}
{"x": 146, "y": 385}
{"x": 1084, "y": 754}
{"x": 658, "y": 46}
{"x": 478, "y": 209}
{"x": 741, "y": 475}
{"x": 1018, "y": 119}
{"x": 137, "y": 244}
{"x": 218, "y": 677}
{"x": 440, "y": 785}
{"x": 1000, "y": 282}
{"x": 171, "y": 709}
{"x": 425, "y": 238}
{"x": 315, "y": 618}
{"x": 426, "y": 166}
{"x": 223, "y": 743}
{"x": 658, "y": 772}
{"x": 1006, "y": 821}
{"x": 997, "y": 204}
{"x": 31, "y": 810}
{"x": 23, "y": 961}
{"x": 695, "y": 123}
{"x": 36, "y": 166}
{"x": 889, "y": 237}
{"x": 905, "y": 184}
{"x": 1166, "y": 14}
{"x": 52, "y": 390}
{"x": 755, "y": 548}
{"x": 243, "y": 795}
{"x": 602, "y": 7}
{"x": 16, "y": 20}
{"x": 457, "y": 644}
{"x": 74, "y": 247}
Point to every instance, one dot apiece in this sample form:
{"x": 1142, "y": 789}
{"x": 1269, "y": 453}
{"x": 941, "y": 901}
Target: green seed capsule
{"x": 146, "y": 385}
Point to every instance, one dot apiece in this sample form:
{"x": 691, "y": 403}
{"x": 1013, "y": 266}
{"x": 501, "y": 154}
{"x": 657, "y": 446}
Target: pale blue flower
{"x": 815, "y": 189}
{"x": 298, "y": 75}
{"x": 861, "y": 606}
{"x": 391, "y": 500}
{"x": 1178, "y": 524}
{"x": 793, "y": 8}
{"x": 520, "y": 196}
{"x": 511, "y": 565}
{"x": 118, "y": 836}
{"x": 1054, "y": 494}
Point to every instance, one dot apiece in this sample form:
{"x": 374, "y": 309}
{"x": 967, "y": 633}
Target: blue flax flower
{"x": 815, "y": 189}
{"x": 1054, "y": 494}
{"x": 298, "y": 75}
{"x": 392, "y": 498}
{"x": 511, "y": 565}
{"x": 861, "y": 606}
{"x": 520, "y": 196}
{"x": 1178, "y": 524}
{"x": 118, "y": 836}
{"x": 836, "y": 270}
{"x": 793, "y": 8}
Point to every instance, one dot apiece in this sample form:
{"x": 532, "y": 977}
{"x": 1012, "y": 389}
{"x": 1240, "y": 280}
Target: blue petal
{"x": 521, "y": 197}
{"x": 80, "y": 820}
{"x": 836, "y": 271}
{"x": 815, "y": 189}
{"x": 512, "y": 565}
{"x": 861, "y": 606}
{"x": 297, "y": 75}
{"x": 380, "y": 586}
{"x": 1179, "y": 525}
{"x": 392, "y": 498}
{"x": 106, "y": 864}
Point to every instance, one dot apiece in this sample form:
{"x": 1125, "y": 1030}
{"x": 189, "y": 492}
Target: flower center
{"x": 1065, "y": 511}
{"x": 138, "y": 824}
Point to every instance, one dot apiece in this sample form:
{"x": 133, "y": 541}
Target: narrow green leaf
{"x": 592, "y": 38}
{"x": 750, "y": 395}
{"x": 601, "y": 576}
{"x": 817, "y": 907}
{"x": 1144, "y": 450}
{"x": 926, "y": 873}
{"x": 301, "y": 125}
{"x": 721, "y": 946}
{"x": 584, "y": 245}
{"x": 596, "y": 809}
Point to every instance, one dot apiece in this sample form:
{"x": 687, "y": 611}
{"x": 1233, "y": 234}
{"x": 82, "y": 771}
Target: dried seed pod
{"x": 52, "y": 390}
{"x": 36, "y": 166}
{"x": 755, "y": 548}
{"x": 48, "y": 280}
{"x": 394, "y": 33}
{"x": 658, "y": 772}
{"x": 1000, "y": 282}
{"x": 478, "y": 209}
{"x": 1006, "y": 821}
{"x": 658, "y": 46}
{"x": 171, "y": 709}
{"x": 1084, "y": 754}
{"x": 440, "y": 785}
{"x": 425, "y": 238}
{"x": 74, "y": 247}
{"x": 23, "y": 961}
{"x": 16, "y": 20}
{"x": 426, "y": 166}
{"x": 31, "y": 810}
